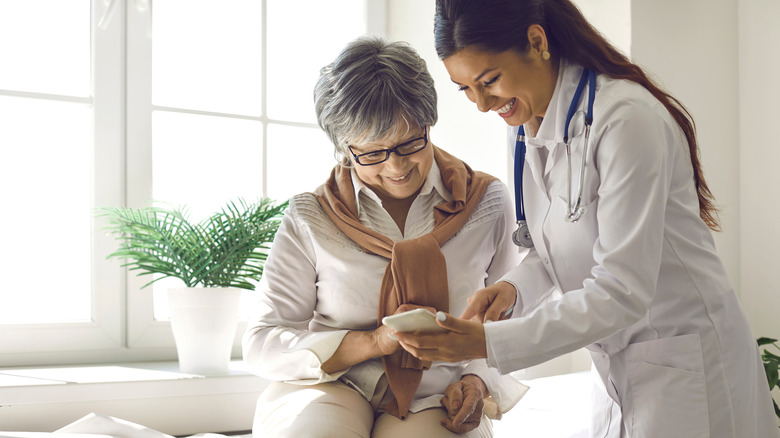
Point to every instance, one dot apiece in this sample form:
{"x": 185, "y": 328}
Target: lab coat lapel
{"x": 533, "y": 161}
{"x": 551, "y": 131}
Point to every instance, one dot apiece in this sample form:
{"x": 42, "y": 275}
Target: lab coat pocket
{"x": 667, "y": 389}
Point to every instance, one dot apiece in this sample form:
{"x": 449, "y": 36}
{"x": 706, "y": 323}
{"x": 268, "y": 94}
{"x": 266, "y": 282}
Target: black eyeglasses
{"x": 380, "y": 156}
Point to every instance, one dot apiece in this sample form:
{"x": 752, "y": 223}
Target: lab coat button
{"x": 546, "y": 261}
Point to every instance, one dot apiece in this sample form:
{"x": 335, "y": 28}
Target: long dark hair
{"x": 500, "y": 25}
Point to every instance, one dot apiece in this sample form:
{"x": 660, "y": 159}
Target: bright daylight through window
{"x": 123, "y": 102}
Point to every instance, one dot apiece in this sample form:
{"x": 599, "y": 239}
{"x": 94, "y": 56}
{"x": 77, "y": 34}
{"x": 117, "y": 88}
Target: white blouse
{"x": 318, "y": 284}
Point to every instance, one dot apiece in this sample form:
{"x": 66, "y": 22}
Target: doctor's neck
{"x": 532, "y": 125}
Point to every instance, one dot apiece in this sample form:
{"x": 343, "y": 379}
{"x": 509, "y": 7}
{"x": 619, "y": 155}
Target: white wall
{"x": 691, "y": 49}
{"x": 720, "y": 58}
{"x": 610, "y": 17}
{"x": 759, "y": 166}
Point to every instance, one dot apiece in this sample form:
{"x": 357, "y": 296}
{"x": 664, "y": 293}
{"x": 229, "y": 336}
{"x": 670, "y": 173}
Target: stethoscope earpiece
{"x": 574, "y": 217}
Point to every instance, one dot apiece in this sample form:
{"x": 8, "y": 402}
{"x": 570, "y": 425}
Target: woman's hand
{"x": 463, "y": 340}
{"x": 464, "y": 401}
{"x": 385, "y": 341}
{"x": 358, "y": 346}
{"x": 492, "y": 303}
{"x": 384, "y": 336}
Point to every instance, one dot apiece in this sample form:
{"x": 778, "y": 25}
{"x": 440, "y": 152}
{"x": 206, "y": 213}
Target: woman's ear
{"x": 537, "y": 40}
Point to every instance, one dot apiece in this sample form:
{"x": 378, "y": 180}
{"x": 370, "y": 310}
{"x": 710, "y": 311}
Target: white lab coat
{"x": 640, "y": 284}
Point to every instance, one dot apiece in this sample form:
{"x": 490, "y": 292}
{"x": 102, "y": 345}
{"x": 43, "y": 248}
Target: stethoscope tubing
{"x": 521, "y": 236}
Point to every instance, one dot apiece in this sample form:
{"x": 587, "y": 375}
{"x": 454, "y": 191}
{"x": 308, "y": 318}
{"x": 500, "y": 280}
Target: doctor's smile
{"x": 507, "y": 110}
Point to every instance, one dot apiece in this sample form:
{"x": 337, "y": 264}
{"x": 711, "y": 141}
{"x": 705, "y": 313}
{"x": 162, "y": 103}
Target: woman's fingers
{"x": 453, "y": 398}
{"x": 467, "y": 418}
{"x": 466, "y": 411}
{"x": 464, "y": 403}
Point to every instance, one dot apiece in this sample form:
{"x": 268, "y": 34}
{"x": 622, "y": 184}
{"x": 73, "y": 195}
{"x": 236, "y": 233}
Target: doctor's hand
{"x": 492, "y": 303}
{"x": 463, "y": 340}
{"x": 464, "y": 401}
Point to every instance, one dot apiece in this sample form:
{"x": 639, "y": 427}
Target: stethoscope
{"x": 522, "y": 236}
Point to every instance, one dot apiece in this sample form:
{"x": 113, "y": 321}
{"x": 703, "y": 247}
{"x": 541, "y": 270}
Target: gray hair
{"x": 372, "y": 91}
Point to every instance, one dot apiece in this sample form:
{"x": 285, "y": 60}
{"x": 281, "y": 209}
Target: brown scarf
{"x": 417, "y": 272}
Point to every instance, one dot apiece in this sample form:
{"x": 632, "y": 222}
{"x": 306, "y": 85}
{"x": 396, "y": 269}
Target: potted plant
{"x": 214, "y": 258}
{"x": 771, "y": 366}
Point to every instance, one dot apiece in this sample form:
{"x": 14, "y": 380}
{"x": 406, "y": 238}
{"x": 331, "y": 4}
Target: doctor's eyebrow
{"x": 476, "y": 79}
{"x": 484, "y": 72}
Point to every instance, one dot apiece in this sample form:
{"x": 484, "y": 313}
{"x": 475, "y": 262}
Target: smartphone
{"x": 417, "y": 319}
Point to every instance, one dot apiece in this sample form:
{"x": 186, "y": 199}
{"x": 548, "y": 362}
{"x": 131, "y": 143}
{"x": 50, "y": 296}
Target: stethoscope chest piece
{"x": 522, "y": 236}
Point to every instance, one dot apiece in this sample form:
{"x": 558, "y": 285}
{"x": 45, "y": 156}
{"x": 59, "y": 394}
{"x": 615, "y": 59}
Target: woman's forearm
{"x": 356, "y": 347}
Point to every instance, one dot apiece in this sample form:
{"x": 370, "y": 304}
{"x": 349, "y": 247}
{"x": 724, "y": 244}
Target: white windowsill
{"x": 153, "y": 394}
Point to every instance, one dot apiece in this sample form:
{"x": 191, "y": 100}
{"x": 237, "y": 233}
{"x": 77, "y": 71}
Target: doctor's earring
{"x": 545, "y": 55}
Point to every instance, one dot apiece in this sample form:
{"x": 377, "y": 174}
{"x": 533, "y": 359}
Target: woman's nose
{"x": 482, "y": 100}
{"x": 395, "y": 161}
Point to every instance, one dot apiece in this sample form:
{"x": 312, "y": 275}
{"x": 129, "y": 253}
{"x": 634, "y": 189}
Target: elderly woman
{"x": 399, "y": 224}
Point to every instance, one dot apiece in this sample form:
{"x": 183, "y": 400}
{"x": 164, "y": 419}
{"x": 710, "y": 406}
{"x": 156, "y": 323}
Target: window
{"x": 121, "y": 102}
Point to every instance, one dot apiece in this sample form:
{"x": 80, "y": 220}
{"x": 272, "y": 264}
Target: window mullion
{"x": 108, "y": 115}
{"x": 142, "y": 330}
{"x": 264, "y": 92}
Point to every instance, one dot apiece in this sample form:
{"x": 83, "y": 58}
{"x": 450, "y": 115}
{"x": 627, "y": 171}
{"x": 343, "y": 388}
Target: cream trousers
{"x": 334, "y": 410}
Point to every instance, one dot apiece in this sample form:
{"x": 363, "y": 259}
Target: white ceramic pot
{"x": 204, "y": 324}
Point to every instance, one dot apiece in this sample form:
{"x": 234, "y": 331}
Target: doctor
{"x": 619, "y": 221}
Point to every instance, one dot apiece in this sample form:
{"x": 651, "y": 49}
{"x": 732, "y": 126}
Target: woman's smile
{"x": 403, "y": 179}
{"x": 507, "y": 110}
